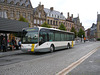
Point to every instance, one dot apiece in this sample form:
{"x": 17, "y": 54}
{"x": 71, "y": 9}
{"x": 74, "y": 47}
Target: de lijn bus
{"x": 40, "y": 39}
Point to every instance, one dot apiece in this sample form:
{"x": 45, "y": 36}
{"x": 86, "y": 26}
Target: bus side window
{"x": 51, "y": 36}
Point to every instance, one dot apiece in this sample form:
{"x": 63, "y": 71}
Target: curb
{"x": 4, "y": 54}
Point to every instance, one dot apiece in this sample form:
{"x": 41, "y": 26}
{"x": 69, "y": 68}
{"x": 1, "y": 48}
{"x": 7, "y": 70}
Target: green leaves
{"x": 62, "y": 27}
{"x": 45, "y": 25}
{"x": 73, "y": 30}
{"x": 81, "y": 33}
{"x": 23, "y": 19}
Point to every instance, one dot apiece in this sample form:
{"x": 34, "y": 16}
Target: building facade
{"x": 13, "y": 9}
{"x": 39, "y": 15}
{"x": 69, "y": 22}
{"x": 87, "y": 33}
{"x": 93, "y": 31}
{"x": 54, "y": 18}
{"x": 77, "y": 24}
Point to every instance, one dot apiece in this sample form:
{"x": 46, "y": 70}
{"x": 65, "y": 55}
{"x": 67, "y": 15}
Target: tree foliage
{"x": 45, "y": 25}
{"x": 81, "y": 33}
{"x": 23, "y": 19}
{"x": 62, "y": 27}
{"x": 73, "y": 30}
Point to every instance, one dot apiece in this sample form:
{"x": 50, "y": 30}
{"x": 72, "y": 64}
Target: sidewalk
{"x": 3, "y": 54}
{"x": 79, "y": 42}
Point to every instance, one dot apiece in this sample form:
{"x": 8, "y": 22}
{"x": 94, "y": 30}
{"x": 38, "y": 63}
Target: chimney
{"x": 43, "y": 6}
{"x": 68, "y": 14}
{"x": 61, "y": 13}
{"x": 72, "y": 15}
{"x": 51, "y": 9}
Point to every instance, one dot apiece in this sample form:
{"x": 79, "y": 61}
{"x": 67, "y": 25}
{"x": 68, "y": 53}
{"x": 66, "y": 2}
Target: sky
{"x": 87, "y": 9}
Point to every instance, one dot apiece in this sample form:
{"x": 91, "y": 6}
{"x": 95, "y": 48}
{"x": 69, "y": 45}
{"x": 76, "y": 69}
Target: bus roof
{"x": 49, "y": 29}
{"x": 54, "y": 29}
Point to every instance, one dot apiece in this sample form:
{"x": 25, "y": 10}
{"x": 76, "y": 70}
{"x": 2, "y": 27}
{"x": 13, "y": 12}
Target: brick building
{"x": 13, "y": 9}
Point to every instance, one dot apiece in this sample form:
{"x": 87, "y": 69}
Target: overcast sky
{"x": 87, "y": 9}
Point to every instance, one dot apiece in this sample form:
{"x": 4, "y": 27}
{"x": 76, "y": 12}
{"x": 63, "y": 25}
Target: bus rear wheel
{"x": 51, "y": 48}
{"x": 68, "y": 46}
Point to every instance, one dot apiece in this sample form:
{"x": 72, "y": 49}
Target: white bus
{"x": 40, "y": 39}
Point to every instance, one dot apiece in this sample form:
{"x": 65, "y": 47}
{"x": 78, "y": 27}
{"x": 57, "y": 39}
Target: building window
{"x": 37, "y": 21}
{"x": 52, "y": 15}
{"x": 34, "y": 21}
{"x": 59, "y": 23}
{"x": 39, "y": 15}
{"x": 17, "y": 14}
{"x": 51, "y": 22}
{"x": 41, "y": 22}
{"x": 12, "y": 14}
{"x": 48, "y": 14}
{"x": 56, "y": 22}
{"x": 29, "y": 16}
{"x": 24, "y": 15}
{"x": 58, "y": 16}
{"x": 48, "y": 21}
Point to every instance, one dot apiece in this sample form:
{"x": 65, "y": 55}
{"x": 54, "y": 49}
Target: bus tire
{"x": 68, "y": 46}
{"x": 51, "y": 48}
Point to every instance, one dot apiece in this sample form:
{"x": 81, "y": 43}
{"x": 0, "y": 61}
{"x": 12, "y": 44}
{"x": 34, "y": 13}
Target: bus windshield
{"x": 30, "y": 37}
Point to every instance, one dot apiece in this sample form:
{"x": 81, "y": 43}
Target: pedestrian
{"x": 19, "y": 43}
{"x": 13, "y": 43}
{"x": 84, "y": 39}
{"x": 4, "y": 45}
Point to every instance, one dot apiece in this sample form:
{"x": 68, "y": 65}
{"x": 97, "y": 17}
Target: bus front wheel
{"x": 51, "y": 48}
{"x": 68, "y": 46}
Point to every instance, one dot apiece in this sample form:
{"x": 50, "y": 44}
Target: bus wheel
{"x": 51, "y": 48}
{"x": 68, "y": 46}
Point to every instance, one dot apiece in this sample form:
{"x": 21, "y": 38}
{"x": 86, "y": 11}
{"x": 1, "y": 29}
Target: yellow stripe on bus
{"x": 32, "y": 49}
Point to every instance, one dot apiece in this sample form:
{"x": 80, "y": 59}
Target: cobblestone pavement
{"x": 49, "y": 64}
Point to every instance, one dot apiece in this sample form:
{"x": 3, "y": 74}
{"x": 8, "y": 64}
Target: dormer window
{"x": 52, "y": 15}
{"x": 29, "y": 6}
{"x": 49, "y": 14}
{"x": 58, "y": 16}
{"x": 26, "y": 0}
{"x": 5, "y": 1}
{"x": 23, "y": 4}
{"x": 11, "y": 2}
{"x": 17, "y": 3}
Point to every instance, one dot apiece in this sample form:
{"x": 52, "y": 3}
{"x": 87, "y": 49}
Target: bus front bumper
{"x": 28, "y": 50}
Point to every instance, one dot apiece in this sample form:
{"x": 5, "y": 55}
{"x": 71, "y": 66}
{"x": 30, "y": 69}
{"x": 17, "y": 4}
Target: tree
{"x": 62, "y": 27}
{"x": 23, "y": 19}
{"x": 73, "y": 30}
{"x": 45, "y": 25}
{"x": 81, "y": 33}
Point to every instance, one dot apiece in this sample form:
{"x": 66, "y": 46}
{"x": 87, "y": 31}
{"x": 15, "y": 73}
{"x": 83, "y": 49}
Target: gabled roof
{"x": 7, "y": 25}
{"x": 21, "y": 2}
{"x": 48, "y": 11}
{"x": 94, "y": 25}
